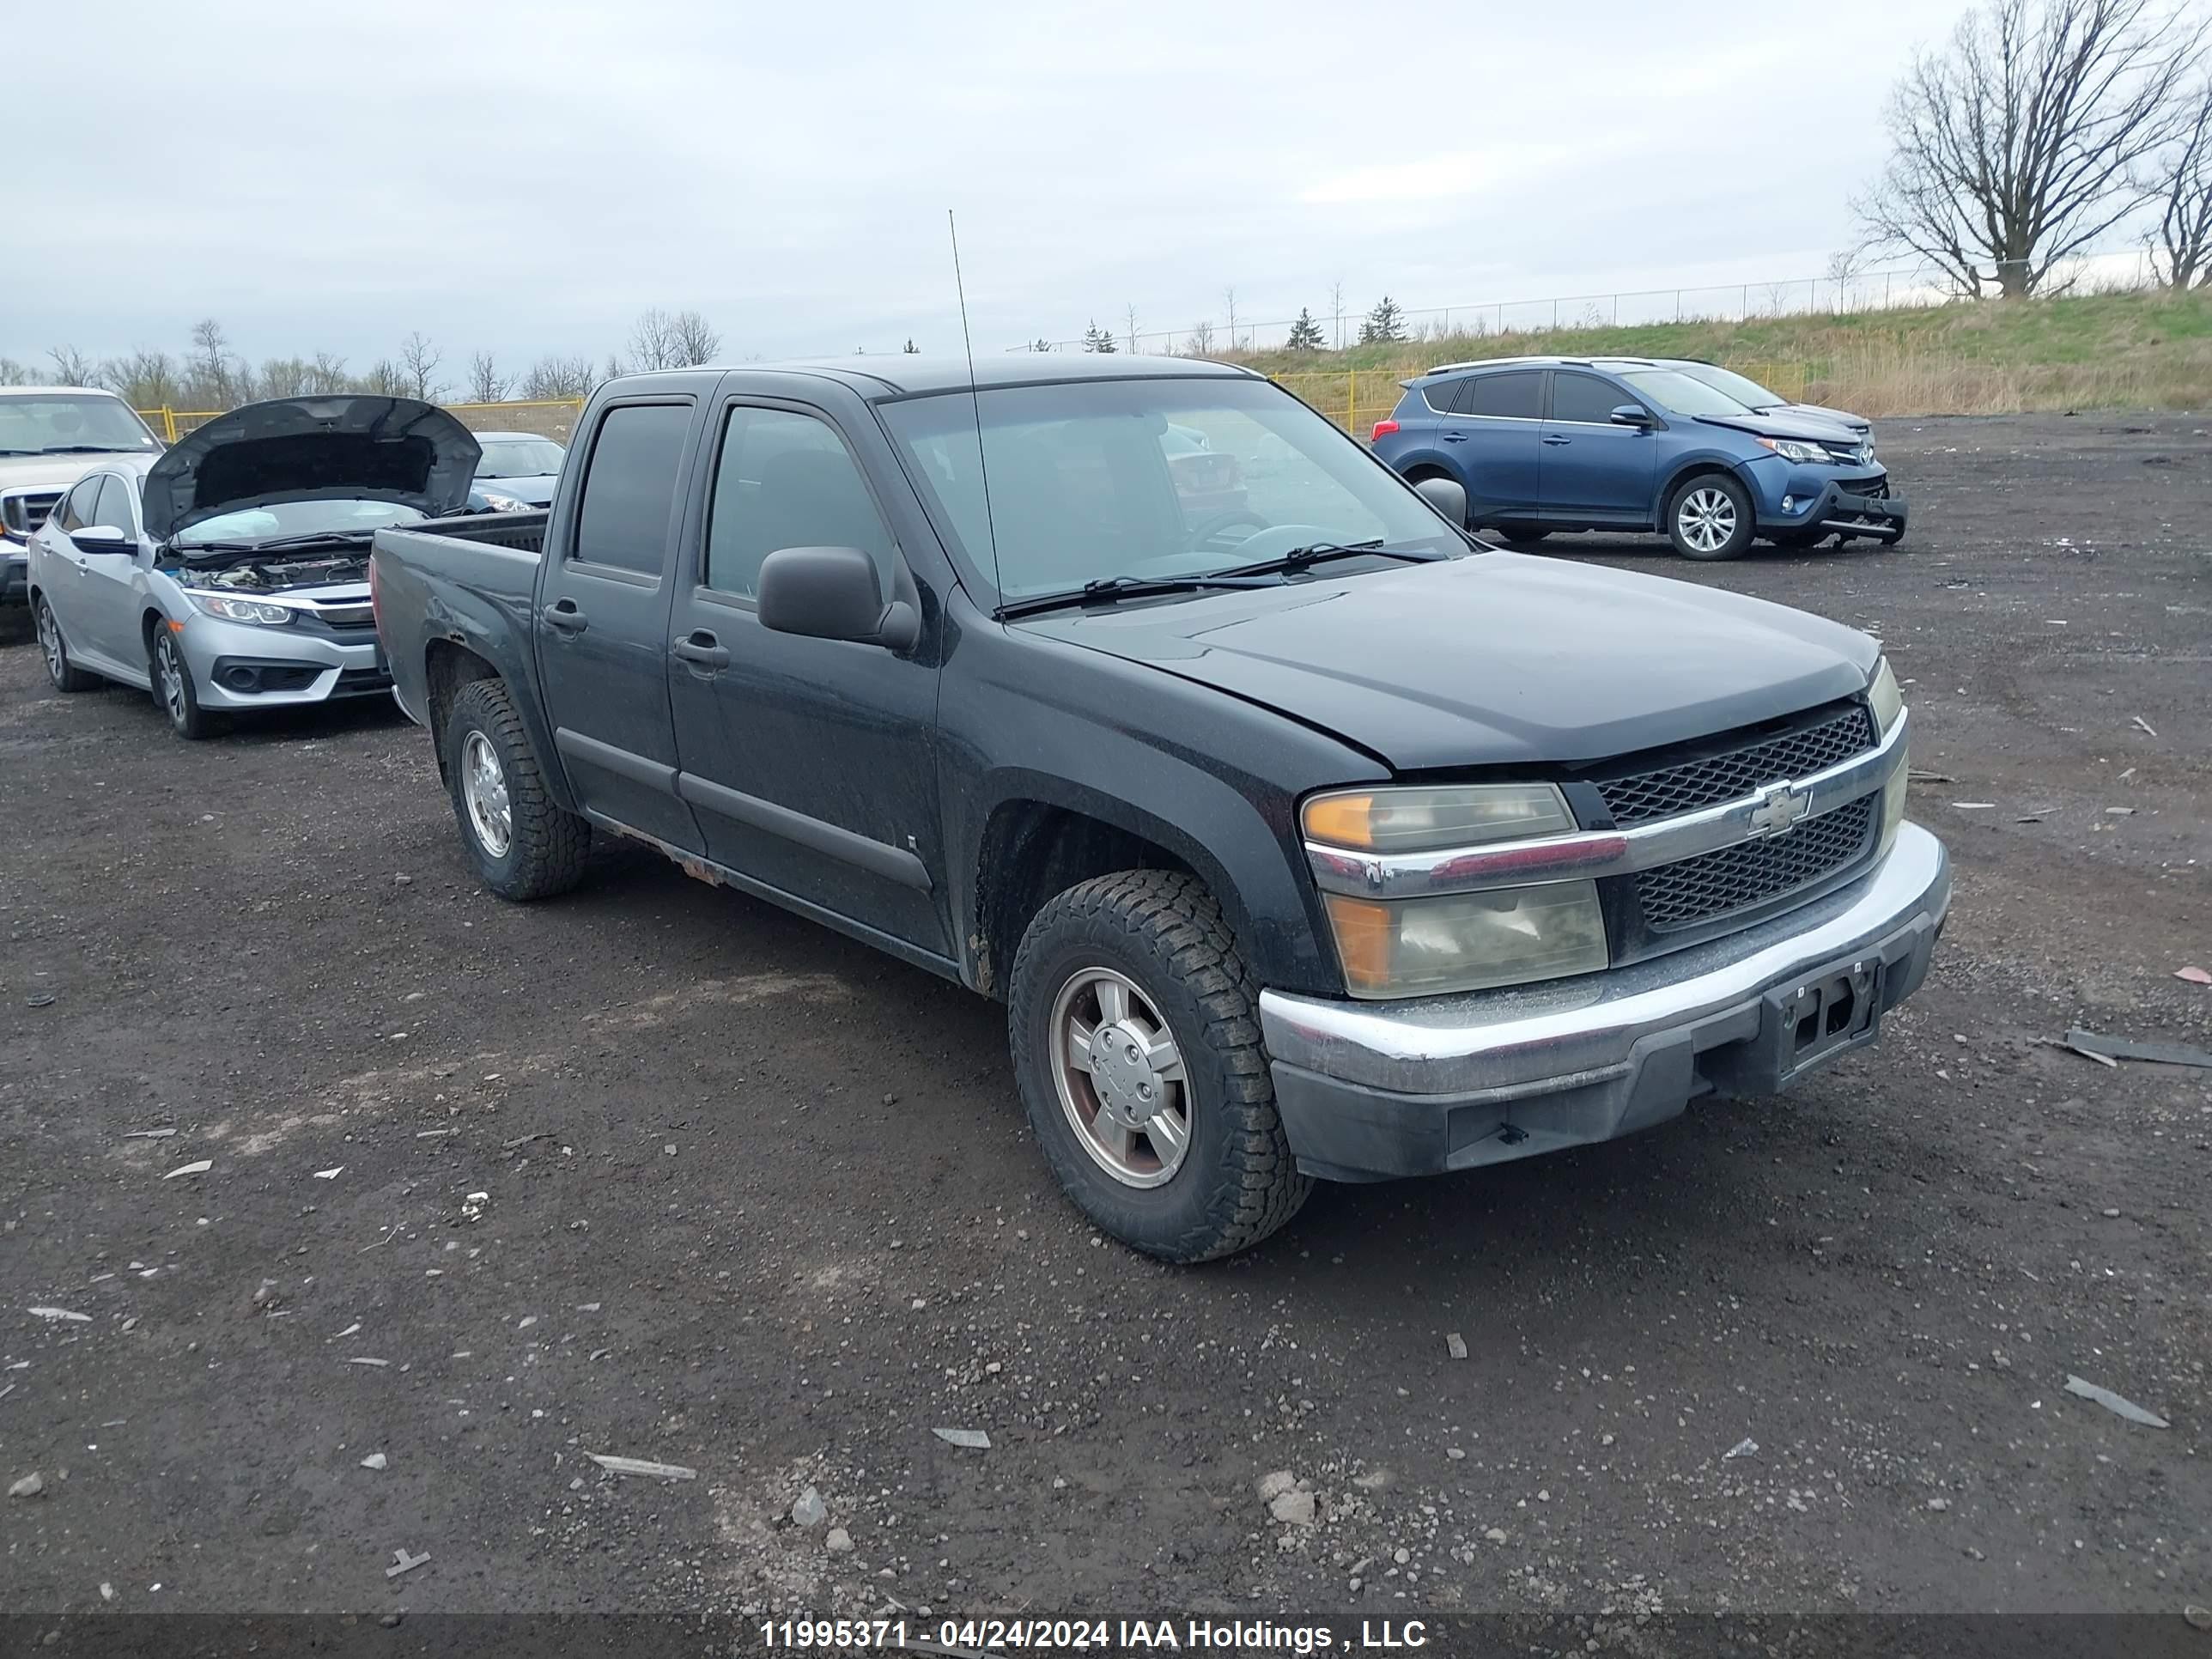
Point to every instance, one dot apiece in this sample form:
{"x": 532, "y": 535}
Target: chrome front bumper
{"x": 1373, "y": 1090}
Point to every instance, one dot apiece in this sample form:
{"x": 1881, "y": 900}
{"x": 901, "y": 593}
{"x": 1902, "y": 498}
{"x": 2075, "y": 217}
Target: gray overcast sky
{"x": 527, "y": 178}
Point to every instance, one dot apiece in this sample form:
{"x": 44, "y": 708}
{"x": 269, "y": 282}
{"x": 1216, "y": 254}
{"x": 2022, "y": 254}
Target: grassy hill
{"x": 2138, "y": 350}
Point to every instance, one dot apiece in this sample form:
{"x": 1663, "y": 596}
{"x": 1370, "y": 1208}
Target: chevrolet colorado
{"x": 1302, "y": 835}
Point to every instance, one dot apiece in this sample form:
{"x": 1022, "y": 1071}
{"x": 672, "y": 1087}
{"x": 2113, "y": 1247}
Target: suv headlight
{"x": 1790, "y": 450}
{"x": 1887, "y": 701}
{"x": 1455, "y": 941}
{"x": 231, "y": 608}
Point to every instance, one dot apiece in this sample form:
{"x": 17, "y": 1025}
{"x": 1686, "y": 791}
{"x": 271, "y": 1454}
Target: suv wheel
{"x": 1710, "y": 517}
{"x": 1136, "y": 1046}
{"x": 523, "y": 844}
{"x": 64, "y": 674}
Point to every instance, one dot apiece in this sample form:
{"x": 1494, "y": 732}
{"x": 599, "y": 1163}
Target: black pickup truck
{"x": 1303, "y": 837}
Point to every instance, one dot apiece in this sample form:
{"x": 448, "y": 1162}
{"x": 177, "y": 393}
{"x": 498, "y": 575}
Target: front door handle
{"x": 702, "y": 647}
{"x": 1555, "y": 440}
{"x": 563, "y": 614}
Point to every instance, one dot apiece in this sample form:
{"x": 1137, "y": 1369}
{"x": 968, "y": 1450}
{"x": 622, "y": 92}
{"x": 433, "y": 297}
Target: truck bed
{"x": 466, "y": 583}
{"x": 523, "y": 531}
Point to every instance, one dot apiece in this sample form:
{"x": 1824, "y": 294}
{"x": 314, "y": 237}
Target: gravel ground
{"x": 661, "y": 1172}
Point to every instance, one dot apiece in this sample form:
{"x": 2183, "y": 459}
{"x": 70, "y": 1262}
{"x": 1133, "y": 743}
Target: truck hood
{"x": 1498, "y": 659}
{"x": 295, "y": 449}
{"x": 1784, "y": 423}
{"x": 45, "y": 472}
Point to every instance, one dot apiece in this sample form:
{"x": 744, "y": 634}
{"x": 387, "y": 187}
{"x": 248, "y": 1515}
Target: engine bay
{"x": 271, "y": 575}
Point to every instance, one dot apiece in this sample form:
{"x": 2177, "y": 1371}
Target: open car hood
{"x": 342, "y": 447}
{"x": 1791, "y": 421}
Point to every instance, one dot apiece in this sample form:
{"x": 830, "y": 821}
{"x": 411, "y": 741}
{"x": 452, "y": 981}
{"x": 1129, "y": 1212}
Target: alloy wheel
{"x": 1120, "y": 1078}
{"x": 1706, "y": 518}
{"x": 484, "y": 789}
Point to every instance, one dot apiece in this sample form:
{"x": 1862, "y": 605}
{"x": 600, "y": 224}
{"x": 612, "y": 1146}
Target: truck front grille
{"x": 1756, "y": 873}
{"x": 23, "y": 512}
{"x": 1639, "y": 797}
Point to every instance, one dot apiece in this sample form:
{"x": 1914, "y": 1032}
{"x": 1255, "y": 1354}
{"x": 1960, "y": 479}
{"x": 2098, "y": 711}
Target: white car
{"x": 50, "y": 437}
{"x": 230, "y": 574}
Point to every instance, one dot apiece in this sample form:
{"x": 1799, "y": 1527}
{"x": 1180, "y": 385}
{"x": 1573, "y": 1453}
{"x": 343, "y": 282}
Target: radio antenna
{"x": 975, "y": 398}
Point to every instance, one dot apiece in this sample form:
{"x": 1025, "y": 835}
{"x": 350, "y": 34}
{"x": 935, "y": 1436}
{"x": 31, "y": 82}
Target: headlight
{"x": 503, "y": 503}
{"x": 1467, "y": 941}
{"x": 1888, "y": 700}
{"x": 1790, "y": 450}
{"x": 1888, "y": 704}
{"x": 1421, "y": 820}
{"x": 233, "y": 609}
{"x": 1457, "y": 941}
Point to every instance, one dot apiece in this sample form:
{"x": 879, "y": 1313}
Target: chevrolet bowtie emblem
{"x": 1780, "y": 806}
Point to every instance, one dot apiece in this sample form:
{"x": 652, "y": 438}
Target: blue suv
{"x": 1557, "y": 443}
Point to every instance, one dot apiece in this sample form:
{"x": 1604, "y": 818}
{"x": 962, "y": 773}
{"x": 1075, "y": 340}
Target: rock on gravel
{"x": 810, "y": 1511}
{"x": 1272, "y": 1487}
{"x": 29, "y": 1486}
{"x": 839, "y": 1543}
{"x": 1293, "y": 1508}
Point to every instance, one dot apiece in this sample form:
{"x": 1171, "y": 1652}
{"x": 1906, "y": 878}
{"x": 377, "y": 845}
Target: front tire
{"x": 523, "y": 844}
{"x": 1710, "y": 517}
{"x": 1134, "y": 1029}
{"x": 174, "y": 694}
{"x": 65, "y": 675}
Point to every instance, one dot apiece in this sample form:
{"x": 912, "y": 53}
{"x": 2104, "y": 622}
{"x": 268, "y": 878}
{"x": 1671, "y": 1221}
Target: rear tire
{"x": 174, "y": 694}
{"x": 1709, "y": 517}
{"x": 1520, "y": 535}
{"x": 1209, "y": 1171}
{"x": 65, "y": 675}
{"x": 523, "y": 844}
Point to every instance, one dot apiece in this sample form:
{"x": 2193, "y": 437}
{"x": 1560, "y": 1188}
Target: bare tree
{"x": 2023, "y": 142}
{"x": 211, "y": 377}
{"x": 1229, "y": 299}
{"x": 692, "y": 340}
{"x": 144, "y": 378}
{"x": 71, "y": 367}
{"x": 418, "y": 362}
{"x": 328, "y": 374}
{"x": 652, "y": 341}
{"x": 2182, "y": 254}
{"x": 1129, "y": 311}
{"x": 1843, "y": 266}
{"x": 551, "y": 378}
{"x": 486, "y": 384}
{"x": 387, "y": 378}
{"x": 13, "y": 374}
{"x": 284, "y": 377}
{"x": 1336, "y": 306}
{"x": 1200, "y": 342}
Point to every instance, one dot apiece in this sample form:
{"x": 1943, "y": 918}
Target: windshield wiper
{"x": 1301, "y": 558}
{"x": 1128, "y": 587}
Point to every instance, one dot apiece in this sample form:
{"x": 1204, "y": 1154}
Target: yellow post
{"x": 169, "y": 422}
{"x": 1351, "y": 401}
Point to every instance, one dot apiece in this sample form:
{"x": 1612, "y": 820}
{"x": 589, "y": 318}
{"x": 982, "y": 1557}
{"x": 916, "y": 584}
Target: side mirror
{"x": 832, "y": 594}
{"x": 1447, "y": 496}
{"x": 1631, "y": 415}
{"x": 102, "y": 538}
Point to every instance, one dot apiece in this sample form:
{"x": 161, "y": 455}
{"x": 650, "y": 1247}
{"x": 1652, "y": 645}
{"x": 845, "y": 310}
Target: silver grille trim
{"x": 1595, "y": 853}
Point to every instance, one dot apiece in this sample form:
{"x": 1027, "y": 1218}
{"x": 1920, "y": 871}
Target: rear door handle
{"x": 1555, "y": 440}
{"x": 1455, "y": 437}
{"x": 702, "y": 647}
{"x": 563, "y": 615}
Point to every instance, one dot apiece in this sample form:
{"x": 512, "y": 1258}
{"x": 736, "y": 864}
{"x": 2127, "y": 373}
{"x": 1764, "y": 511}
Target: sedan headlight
{"x": 1790, "y": 450}
{"x": 1455, "y": 941}
{"x": 1887, "y": 701}
{"x": 498, "y": 502}
{"x": 231, "y": 608}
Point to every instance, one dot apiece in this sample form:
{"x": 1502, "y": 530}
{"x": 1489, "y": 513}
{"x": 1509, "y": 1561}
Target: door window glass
{"x": 787, "y": 480}
{"x": 629, "y": 487}
{"x": 1514, "y": 397}
{"x": 1585, "y": 398}
{"x": 114, "y": 507}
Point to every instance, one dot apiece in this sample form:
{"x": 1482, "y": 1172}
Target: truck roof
{"x": 901, "y": 374}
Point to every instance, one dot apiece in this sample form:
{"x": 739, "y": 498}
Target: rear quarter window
{"x": 1440, "y": 396}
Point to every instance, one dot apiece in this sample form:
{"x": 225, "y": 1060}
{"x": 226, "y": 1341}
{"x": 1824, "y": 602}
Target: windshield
{"x": 259, "y": 524}
{"x": 69, "y": 422}
{"x": 1678, "y": 394}
{"x": 518, "y": 457}
{"x": 1745, "y": 391}
{"x": 1153, "y": 479}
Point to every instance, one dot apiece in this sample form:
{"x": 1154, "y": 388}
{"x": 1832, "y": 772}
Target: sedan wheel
{"x": 55, "y": 650}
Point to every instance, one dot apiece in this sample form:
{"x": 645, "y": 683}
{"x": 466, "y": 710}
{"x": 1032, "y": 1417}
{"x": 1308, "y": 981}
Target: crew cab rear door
{"x": 601, "y": 622}
{"x": 811, "y": 763}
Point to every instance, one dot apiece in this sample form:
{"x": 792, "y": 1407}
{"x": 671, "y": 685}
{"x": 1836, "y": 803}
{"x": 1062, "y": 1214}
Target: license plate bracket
{"x": 1803, "y": 1023}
